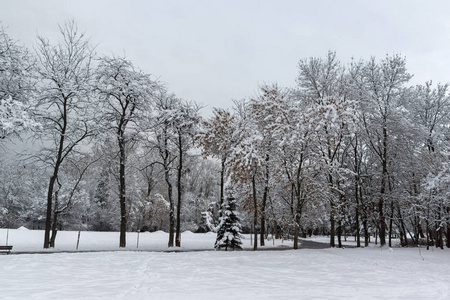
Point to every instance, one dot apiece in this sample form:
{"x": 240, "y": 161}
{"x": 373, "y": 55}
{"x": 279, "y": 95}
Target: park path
{"x": 303, "y": 244}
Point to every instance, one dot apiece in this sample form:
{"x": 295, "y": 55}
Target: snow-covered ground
{"x": 369, "y": 273}
{"x": 24, "y": 240}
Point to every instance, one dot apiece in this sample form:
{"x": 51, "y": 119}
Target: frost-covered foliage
{"x": 22, "y": 200}
{"x": 216, "y": 134}
{"x": 17, "y": 86}
{"x": 14, "y": 117}
{"x": 229, "y": 228}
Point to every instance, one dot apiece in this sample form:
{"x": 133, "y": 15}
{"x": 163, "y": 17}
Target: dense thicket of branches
{"x": 352, "y": 149}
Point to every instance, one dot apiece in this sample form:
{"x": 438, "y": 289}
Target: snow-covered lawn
{"x": 369, "y": 273}
{"x": 304, "y": 274}
{"x": 24, "y": 240}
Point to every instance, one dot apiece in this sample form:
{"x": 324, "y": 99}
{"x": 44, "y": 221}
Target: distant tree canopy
{"x": 351, "y": 149}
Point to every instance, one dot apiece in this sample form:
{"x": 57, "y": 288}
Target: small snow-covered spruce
{"x": 229, "y": 229}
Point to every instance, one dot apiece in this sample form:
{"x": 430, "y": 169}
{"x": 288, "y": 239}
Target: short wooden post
{"x": 137, "y": 243}
{"x": 78, "y": 239}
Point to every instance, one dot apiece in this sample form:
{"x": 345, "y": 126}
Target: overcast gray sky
{"x": 215, "y": 51}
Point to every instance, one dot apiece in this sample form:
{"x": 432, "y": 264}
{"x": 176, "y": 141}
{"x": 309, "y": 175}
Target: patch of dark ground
{"x": 304, "y": 244}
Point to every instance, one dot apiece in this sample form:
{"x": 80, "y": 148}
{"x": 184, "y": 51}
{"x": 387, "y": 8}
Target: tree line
{"x": 352, "y": 149}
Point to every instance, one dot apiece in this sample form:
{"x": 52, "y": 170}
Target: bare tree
{"x": 64, "y": 107}
{"x": 380, "y": 89}
{"x": 185, "y": 122}
{"x": 162, "y": 141}
{"x": 125, "y": 96}
{"x": 216, "y": 140}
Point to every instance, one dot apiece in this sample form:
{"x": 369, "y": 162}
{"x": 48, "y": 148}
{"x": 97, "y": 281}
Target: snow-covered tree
{"x": 64, "y": 105}
{"x": 126, "y": 99}
{"x": 17, "y": 86}
{"x": 229, "y": 228}
{"x": 331, "y": 118}
{"x": 22, "y": 201}
{"x": 379, "y": 90}
{"x": 268, "y": 112}
{"x": 185, "y": 120}
{"x": 161, "y": 141}
{"x": 216, "y": 139}
{"x": 428, "y": 109}
{"x": 14, "y": 117}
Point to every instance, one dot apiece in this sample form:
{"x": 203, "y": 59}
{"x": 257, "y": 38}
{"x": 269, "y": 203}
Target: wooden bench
{"x": 6, "y": 248}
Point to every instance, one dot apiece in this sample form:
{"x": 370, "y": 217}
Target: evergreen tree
{"x": 229, "y": 232}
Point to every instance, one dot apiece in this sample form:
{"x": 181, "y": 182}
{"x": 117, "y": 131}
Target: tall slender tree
{"x": 126, "y": 98}
{"x": 185, "y": 122}
{"x": 64, "y": 105}
{"x": 216, "y": 139}
{"x": 162, "y": 141}
{"x": 381, "y": 88}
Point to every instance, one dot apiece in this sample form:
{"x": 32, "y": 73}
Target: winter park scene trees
{"x": 138, "y": 190}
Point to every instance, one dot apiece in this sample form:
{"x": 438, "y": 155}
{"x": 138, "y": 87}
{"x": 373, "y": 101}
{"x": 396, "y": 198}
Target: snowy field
{"x": 369, "y": 273}
{"x": 24, "y": 240}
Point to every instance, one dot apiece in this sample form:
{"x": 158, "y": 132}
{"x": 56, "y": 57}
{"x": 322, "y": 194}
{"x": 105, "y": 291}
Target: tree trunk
{"x": 122, "y": 191}
{"x": 448, "y": 229}
{"x": 366, "y": 233}
{"x": 264, "y": 201}
{"x": 391, "y": 219}
{"x": 383, "y": 190}
{"x": 297, "y": 225}
{"x": 402, "y": 224}
{"x": 255, "y": 216}
{"x": 298, "y": 214}
{"x": 376, "y": 236}
{"x": 332, "y": 229}
{"x": 222, "y": 181}
{"x": 179, "y": 191}
{"x": 355, "y": 153}
{"x": 48, "y": 219}
{"x": 296, "y": 234}
{"x": 440, "y": 232}
{"x": 339, "y": 233}
{"x": 382, "y": 225}
{"x": 171, "y": 207}
{"x": 448, "y": 236}
{"x": 439, "y": 239}
{"x": 165, "y": 155}
{"x": 358, "y": 236}
{"x": 55, "y": 222}
{"x": 53, "y": 178}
